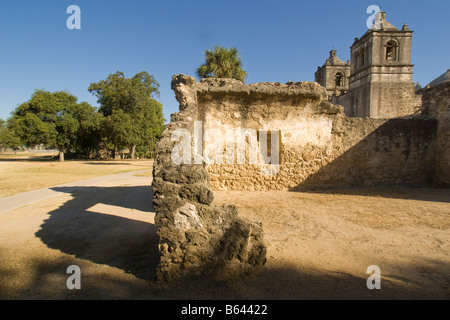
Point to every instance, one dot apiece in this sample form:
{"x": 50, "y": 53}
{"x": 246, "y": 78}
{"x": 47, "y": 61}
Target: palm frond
{"x": 222, "y": 62}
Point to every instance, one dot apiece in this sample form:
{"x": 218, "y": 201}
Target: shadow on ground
{"x": 90, "y": 227}
{"x": 94, "y": 238}
{"x": 18, "y": 158}
{"x": 104, "y": 163}
{"x": 286, "y": 282}
{"x": 423, "y": 193}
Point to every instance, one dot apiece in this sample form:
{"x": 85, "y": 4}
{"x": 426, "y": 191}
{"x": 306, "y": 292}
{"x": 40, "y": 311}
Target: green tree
{"x": 89, "y": 135}
{"x": 132, "y": 116}
{"x": 49, "y": 118}
{"x": 222, "y": 63}
{"x": 7, "y": 137}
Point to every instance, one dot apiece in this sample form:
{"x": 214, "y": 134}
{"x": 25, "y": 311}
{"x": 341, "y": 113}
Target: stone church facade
{"x": 377, "y": 81}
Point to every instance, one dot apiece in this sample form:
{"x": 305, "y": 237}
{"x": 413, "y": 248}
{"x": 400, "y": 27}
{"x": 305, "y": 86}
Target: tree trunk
{"x": 116, "y": 155}
{"x": 151, "y": 147}
{"x": 61, "y": 155}
{"x": 132, "y": 151}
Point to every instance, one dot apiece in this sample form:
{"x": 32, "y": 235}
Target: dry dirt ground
{"x": 319, "y": 245}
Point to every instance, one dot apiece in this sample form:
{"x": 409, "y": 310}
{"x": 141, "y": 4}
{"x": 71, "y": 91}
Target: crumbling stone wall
{"x": 436, "y": 103}
{"x": 378, "y": 152}
{"x": 196, "y": 236}
{"x": 319, "y": 147}
{"x": 220, "y": 140}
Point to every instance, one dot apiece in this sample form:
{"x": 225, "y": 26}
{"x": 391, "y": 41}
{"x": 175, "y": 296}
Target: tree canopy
{"x": 7, "y": 137}
{"x": 52, "y": 119}
{"x": 128, "y": 117}
{"x": 222, "y": 62}
{"x": 133, "y": 118}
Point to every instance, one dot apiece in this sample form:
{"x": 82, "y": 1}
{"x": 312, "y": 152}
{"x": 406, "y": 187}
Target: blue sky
{"x": 280, "y": 41}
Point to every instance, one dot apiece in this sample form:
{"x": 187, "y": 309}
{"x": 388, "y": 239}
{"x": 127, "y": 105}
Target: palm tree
{"x": 222, "y": 63}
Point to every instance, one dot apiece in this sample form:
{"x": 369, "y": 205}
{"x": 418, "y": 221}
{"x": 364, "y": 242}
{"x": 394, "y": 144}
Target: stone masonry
{"x": 318, "y": 145}
{"x": 312, "y": 145}
{"x": 196, "y": 236}
{"x": 436, "y": 104}
{"x": 377, "y": 83}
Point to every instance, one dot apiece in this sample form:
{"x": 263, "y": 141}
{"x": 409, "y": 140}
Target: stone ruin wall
{"x": 196, "y": 237}
{"x": 319, "y": 148}
{"x": 436, "y": 104}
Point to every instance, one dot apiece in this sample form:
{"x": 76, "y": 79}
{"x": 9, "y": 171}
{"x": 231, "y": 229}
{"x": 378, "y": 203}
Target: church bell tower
{"x": 380, "y": 82}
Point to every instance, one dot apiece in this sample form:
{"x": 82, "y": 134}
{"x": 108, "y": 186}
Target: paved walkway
{"x": 25, "y": 198}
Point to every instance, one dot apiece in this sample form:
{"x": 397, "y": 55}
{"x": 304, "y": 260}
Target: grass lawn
{"x": 23, "y": 172}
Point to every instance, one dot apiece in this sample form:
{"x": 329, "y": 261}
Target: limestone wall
{"x": 272, "y": 136}
{"x": 318, "y": 146}
{"x": 436, "y": 103}
{"x": 378, "y": 152}
{"x": 197, "y": 237}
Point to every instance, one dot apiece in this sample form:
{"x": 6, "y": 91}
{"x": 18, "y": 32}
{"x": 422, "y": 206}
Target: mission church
{"x": 377, "y": 81}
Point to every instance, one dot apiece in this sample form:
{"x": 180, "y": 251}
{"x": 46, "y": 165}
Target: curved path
{"x": 25, "y": 198}
{"x": 104, "y": 225}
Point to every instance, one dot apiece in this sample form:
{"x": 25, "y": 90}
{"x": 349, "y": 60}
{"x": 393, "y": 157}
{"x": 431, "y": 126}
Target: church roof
{"x": 441, "y": 79}
{"x": 334, "y": 60}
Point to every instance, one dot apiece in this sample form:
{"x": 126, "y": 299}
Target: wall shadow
{"x": 30, "y": 159}
{"x": 400, "y": 152}
{"x": 406, "y": 192}
{"x": 103, "y": 163}
{"x": 423, "y": 280}
{"x": 106, "y": 225}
